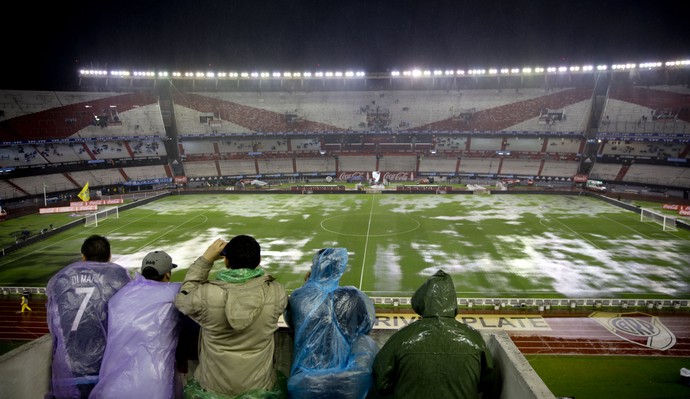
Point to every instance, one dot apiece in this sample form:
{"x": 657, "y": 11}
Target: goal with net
{"x": 94, "y": 218}
{"x": 668, "y": 223}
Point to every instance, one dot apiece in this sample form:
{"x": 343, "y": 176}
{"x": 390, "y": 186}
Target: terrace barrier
{"x": 26, "y": 369}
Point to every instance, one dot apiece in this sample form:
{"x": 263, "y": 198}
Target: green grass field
{"x": 606, "y": 377}
{"x": 508, "y": 246}
{"x": 493, "y": 245}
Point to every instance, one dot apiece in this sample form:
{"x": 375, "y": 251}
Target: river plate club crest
{"x": 639, "y": 328}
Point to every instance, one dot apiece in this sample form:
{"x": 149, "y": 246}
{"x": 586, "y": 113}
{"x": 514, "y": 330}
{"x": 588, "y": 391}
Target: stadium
{"x": 555, "y": 193}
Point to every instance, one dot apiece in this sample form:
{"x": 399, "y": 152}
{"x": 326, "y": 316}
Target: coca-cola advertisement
{"x": 385, "y": 176}
{"x": 398, "y": 176}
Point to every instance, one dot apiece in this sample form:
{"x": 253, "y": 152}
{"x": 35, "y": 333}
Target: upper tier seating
{"x": 656, "y": 109}
{"x": 563, "y": 110}
{"x": 51, "y": 115}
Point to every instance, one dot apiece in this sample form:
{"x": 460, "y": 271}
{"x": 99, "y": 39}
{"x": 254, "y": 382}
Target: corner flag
{"x": 84, "y": 193}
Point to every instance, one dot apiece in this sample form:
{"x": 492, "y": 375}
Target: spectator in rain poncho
{"x": 78, "y": 319}
{"x": 333, "y": 355}
{"x": 437, "y": 356}
{"x": 143, "y": 328}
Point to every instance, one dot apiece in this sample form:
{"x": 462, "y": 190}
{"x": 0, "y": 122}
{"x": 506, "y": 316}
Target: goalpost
{"x": 668, "y": 223}
{"x": 94, "y": 218}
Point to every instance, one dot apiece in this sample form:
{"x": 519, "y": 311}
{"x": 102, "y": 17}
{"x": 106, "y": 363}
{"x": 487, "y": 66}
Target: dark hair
{"x": 243, "y": 252}
{"x": 150, "y": 273}
{"x": 96, "y": 248}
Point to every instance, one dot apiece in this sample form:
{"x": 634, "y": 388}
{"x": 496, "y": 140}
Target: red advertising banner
{"x": 61, "y": 209}
{"x": 112, "y": 201}
{"x": 580, "y": 178}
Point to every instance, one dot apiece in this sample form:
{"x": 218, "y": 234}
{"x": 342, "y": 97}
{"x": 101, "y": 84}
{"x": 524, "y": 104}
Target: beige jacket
{"x": 237, "y": 322}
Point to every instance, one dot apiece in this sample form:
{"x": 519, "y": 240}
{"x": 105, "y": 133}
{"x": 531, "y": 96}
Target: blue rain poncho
{"x": 333, "y": 355}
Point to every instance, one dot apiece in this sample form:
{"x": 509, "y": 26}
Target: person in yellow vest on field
{"x": 25, "y": 302}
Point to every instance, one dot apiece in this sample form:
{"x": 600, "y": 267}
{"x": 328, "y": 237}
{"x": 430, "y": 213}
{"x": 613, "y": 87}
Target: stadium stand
{"x": 616, "y": 127}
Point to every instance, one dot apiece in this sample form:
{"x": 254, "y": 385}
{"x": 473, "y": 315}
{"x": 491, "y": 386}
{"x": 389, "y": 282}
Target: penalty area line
{"x": 366, "y": 241}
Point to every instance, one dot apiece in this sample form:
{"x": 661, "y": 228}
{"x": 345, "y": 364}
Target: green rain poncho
{"x": 435, "y": 356}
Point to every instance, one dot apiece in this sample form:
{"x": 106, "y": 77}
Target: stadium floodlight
{"x": 651, "y": 65}
{"x": 395, "y": 73}
{"x": 416, "y": 72}
{"x": 438, "y": 72}
{"x": 574, "y": 68}
{"x": 329, "y": 74}
{"x": 210, "y": 75}
{"x": 296, "y": 74}
{"x": 448, "y": 72}
{"x": 526, "y": 70}
{"x": 338, "y": 74}
{"x": 162, "y": 74}
{"x": 276, "y": 74}
{"x": 94, "y": 72}
{"x": 264, "y": 75}
{"x": 551, "y": 69}
{"x": 602, "y": 67}
{"x": 244, "y": 74}
{"x": 318, "y": 74}
{"x": 307, "y": 74}
{"x": 427, "y": 72}
{"x": 361, "y": 74}
{"x": 515, "y": 70}
{"x": 349, "y": 74}
{"x": 460, "y": 72}
{"x": 177, "y": 74}
{"x": 562, "y": 69}
{"x": 539, "y": 70}
{"x": 505, "y": 71}
{"x": 493, "y": 71}
{"x": 587, "y": 68}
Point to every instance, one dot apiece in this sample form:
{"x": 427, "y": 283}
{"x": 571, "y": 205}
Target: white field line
{"x": 171, "y": 230}
{"x": 574, "y": 232}
{"x": 366, "y": 241}
{"x": 57, "y": 244}
{"x": 627, "y": 227}
{"x": 637, "y": 219}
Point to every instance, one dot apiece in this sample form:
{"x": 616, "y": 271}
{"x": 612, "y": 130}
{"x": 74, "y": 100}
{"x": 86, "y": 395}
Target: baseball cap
{"x": 157, "y": 261}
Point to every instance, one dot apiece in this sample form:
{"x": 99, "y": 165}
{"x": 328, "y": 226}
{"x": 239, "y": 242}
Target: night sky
{"x": 54, "y": 40}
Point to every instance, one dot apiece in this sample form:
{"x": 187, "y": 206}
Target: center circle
{"x": 369, "y": 224}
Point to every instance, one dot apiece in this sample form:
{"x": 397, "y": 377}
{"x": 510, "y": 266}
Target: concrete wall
{"x": 25, "y": 371}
